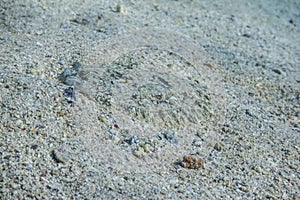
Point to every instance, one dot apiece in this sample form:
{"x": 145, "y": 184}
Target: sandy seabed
{"x": 103, "y": 100}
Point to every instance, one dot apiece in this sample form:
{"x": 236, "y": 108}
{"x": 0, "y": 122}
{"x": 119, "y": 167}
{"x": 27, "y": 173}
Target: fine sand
{"x": 114, "y": 99}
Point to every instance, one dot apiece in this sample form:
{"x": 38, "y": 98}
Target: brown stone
{"x": 192, "y": 162}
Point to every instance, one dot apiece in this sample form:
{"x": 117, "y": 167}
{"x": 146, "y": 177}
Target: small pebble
{"x": 132, "y": 140}
{"x": 69, "y": 94}
{"x": 61, "y": 155}
{"x": 116, "y": 139}
{"x": 218, "y": 146}
{"x": 244, "y": 189}
{"x": 19, "y": 123}
{"x": 277, "y": 71}
{"x": 68, "y": 76}
{"x": 192, "y": 162}
{"x": 170, "y": 136}
{"x": 14, "y": 185}
{"x": 102, "y": 118}
{"x": 139, "y": 152}
{"x": 34, "y": 146}
{"x": 61, "y": 62}
{"x": 294, "y": 167}
{"x": 197, "y": 143}
{"x": 121, "y": 9}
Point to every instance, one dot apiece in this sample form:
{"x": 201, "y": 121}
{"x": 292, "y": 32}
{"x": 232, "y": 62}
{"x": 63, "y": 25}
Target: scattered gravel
{"x": 149, "y": 100}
